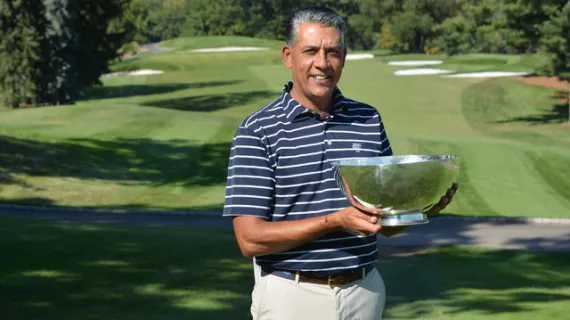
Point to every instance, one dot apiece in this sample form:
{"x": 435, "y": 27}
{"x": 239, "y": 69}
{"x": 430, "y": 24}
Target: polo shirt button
{"x": 329, "y": 142}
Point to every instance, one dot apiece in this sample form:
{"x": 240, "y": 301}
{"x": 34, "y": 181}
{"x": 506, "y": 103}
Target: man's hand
{"x": 445, "y": 200}
{"x": 363, "y": 222}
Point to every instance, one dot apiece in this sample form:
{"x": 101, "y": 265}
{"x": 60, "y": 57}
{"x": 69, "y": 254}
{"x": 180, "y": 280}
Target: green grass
{"x": 189, "y": 43}
{"x": 128, "y": 148}
{"x": 162, "y": 141}
{"x": 63, "y": 270}
{"x": 468, "y": 62}
{"x": 186, "y": 62}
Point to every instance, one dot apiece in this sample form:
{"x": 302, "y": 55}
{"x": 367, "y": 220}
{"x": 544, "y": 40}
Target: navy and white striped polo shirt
{"x": 279, "y": 170}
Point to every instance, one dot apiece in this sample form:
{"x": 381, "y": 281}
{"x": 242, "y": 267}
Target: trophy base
{"x": 405, "y": 219}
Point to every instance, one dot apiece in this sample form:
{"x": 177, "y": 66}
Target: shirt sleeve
{"x": 250, "y": 181}
{"x": 386, "y": 148}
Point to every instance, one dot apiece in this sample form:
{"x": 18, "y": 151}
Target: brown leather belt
{"x": 335, "y": 280}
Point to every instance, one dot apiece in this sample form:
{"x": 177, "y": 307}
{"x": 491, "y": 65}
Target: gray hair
{"x": 314, "y": 14}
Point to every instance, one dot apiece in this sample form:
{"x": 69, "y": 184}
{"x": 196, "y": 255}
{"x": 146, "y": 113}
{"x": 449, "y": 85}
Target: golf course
{"x": 161, "y": 140}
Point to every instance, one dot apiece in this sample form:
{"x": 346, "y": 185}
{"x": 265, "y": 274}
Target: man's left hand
{"x": 445, "y": 200}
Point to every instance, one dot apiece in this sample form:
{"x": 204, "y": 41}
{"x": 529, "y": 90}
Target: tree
{"x": 135, "y": 22}
{"x": 413, "y": 23}
{"x": 94, "y": 46}
{"x": 62, "y": 68}
{"x": 387, "y": 39}
{"x": 555, "y": 47}
{"x": 167, "y": 18}
{"x": 51, "y": 49}
{"x": 22, "y": 48}
{"x": 520, "y": 22}
{"x": 457, "y": 35}
{"x": 268, "y": 19}
{"x": 364, "y": 24}
{"x": 472, "y": 29}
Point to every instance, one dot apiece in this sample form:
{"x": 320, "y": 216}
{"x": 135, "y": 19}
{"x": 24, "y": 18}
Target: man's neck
{"x": 320, "y": 105}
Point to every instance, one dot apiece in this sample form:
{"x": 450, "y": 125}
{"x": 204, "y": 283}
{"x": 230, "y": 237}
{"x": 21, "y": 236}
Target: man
{"x": 315, "y": 251}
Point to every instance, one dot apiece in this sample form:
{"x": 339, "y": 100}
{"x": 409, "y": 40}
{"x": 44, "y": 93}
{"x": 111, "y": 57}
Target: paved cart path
{"x": 491, "y": 233}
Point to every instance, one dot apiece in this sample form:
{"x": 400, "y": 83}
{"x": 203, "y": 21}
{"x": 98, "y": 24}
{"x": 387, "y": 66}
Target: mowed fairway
{"x": 162, "y": 141}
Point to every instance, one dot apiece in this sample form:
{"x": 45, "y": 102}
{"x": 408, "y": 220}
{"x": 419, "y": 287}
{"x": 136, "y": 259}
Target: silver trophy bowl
{"x": 404, "y": 187}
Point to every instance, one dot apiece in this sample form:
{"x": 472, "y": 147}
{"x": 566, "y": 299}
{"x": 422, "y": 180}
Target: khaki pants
{"x": 277, "y": 298}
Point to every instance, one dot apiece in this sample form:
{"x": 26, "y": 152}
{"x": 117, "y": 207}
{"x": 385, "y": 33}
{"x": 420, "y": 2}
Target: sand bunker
{"x": 423, "y": 71}
{"x": 228, "y": 49}
{"x": 491, "y": 74}
{"x": 427, "y": 71}
{"x": 144, "y": 72}
{"x": 359, "y": 56}
{"x": 415, "y": 63}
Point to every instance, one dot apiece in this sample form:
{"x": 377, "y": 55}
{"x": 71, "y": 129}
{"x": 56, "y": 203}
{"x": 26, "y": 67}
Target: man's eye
{"x": 334, "y": 54}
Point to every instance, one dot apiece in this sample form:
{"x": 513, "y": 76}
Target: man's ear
{"x": 344, "y": 56}
{"x": 286, "y": 54}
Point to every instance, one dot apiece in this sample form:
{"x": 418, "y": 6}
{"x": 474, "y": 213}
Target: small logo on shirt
{"x": 357, "y": 146}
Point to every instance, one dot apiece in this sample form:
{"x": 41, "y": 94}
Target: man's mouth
{"x": 321, "y": 77}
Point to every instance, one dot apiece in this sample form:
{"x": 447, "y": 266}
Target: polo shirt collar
{"x": 295, "y": 111}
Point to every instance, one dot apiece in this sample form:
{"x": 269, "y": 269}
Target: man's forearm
{"x": 257, "y": 237}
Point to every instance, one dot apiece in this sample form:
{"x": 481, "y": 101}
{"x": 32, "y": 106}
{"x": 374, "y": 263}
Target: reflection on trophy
{"x": 404, "y": 187}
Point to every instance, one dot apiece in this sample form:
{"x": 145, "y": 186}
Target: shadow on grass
{"x": 41, "y": 207}
{"x": 208, "y": 103}
{"x": 67, "y": 270}
{"x": 123, "y": 91}
{"x": 472, "y": 281}
{"x": 97, "y": 271}
{"x": 558, "y": 114}
{"x": 29, "y": 201}
{"x": 126, "y": 161}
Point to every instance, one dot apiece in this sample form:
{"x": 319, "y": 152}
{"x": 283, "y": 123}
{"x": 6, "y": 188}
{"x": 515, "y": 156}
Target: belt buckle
{"x": 331, "y": 279}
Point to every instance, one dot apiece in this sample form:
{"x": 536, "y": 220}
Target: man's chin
{"x": 322, "y": 92}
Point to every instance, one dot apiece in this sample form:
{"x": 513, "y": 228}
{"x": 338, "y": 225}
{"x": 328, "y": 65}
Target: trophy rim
{"x": 393, "y": 160}
{"x": 408, "y": 219}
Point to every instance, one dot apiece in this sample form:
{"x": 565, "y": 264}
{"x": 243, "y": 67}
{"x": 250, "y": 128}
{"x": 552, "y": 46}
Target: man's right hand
{"x": 363, "y": 222}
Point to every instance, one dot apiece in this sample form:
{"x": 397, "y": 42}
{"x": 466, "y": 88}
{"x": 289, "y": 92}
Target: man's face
{"x": 316, "y": 61}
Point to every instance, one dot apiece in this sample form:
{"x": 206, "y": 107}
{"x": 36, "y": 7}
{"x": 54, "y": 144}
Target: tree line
{"x": 403, "y": 26}
{"x": 51, "y": 49}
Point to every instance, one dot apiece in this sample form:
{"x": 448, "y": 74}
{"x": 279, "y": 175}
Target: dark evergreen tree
{"x": 22, "y": 52}
{"x": 555, "y": 47}
{"x": 63, "y": 87}
{"x": 94, "y": 46}
{"x": 51, "y": 49}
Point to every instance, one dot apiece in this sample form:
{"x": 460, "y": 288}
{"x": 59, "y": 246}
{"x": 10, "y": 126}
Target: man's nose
{"x": 321, "y": 60}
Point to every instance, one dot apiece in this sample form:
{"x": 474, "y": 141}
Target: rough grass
{"x": 162, "y": 141}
